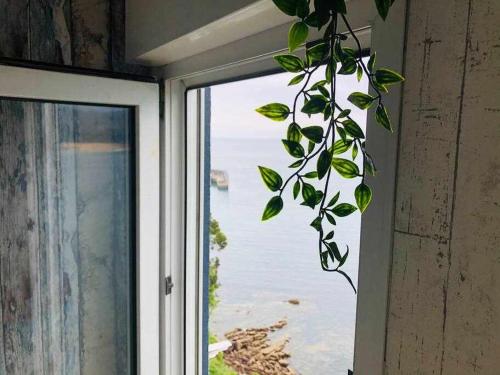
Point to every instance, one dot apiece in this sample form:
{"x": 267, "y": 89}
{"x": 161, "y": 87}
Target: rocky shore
{"x": 253, "y": 353}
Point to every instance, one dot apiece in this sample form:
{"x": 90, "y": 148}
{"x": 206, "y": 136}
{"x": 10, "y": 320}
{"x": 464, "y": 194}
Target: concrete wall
{"x": 444, "y": 315}
{"x": 80, "y": 33}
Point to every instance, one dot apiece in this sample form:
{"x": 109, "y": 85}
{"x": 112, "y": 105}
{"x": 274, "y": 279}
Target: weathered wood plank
{"x": 472, "y": 341}
{"x": 91, "y": 33}
{"x": 14, "y": 29}
{"x": 434, "y": 66}
{"x": 49, "y": 31}
{"x": 15, "y": 226}
{"x": 415, "y": 322}
{"x": 431, "y": 106}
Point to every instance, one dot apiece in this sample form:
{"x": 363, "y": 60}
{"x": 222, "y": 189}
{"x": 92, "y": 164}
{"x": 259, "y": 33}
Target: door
{"x": 79, "y": 224}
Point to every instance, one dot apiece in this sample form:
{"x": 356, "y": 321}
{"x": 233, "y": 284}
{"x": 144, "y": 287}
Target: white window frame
{"x": 183, "y": 169}
{"x": 36, "y": 84}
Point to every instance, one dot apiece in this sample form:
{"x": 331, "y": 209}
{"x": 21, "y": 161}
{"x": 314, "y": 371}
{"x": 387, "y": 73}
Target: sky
{"x": 234, "y": 104}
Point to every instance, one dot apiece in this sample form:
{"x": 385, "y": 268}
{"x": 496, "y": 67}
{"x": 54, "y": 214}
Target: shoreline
{"x": 253, "y": 352}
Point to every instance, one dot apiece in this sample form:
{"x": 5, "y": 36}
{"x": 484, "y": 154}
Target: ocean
{"x": 268, "y": 263}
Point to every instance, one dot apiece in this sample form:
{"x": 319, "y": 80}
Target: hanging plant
{"x": 316, "y": 149}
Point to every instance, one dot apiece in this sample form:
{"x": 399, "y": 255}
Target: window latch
{"x": 168, "y": 285}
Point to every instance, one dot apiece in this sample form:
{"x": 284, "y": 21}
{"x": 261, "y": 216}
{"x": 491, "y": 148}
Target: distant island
{"x": 220, "y": 179}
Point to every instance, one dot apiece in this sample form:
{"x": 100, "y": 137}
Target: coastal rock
{"x": 253, "y": 353}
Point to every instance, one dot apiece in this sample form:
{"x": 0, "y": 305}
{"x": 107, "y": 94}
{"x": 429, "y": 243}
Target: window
{"x": 79, "y": 231}
{"x": 186, "y": 209}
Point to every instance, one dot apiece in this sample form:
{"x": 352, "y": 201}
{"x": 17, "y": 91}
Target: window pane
{"x": 268, "y": 280}
{"x": 66, "y": 239}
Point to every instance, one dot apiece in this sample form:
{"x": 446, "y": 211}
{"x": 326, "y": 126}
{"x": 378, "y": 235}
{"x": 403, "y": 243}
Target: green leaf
{"x": 271, "y": 178}
{"x": 312, "y": 20}
{"x": 293, "y": 148}
{"x": 296, "y": 189}
{"x": 324, "y": 91}
{"x": 339, "y": 6}
{"x": 310, "y": 147}
{"x": 388, "y": 77}
{"x": 297, "y": 35}
{"x": 345, "y": 168}
{"x": 353, "y": 129}
{"x": 317, "y": 53}
{"x": 363, "y": 195}
{"x": 316, "y": 104}
{"x": 290, "y": 63}
{"x": 327, "y": 112}
{"x": 319, "y": 196}
{"x": 370, "y": 165}
{"x": 348, "y": 66}
{"x": 344, "y": 258}
{"x": 330, "y": 218}
{"x": 359, "y": 73}
{"x": 383, "y": 7}
{"x": 313, "y": 133}
{"x": 361, "y": 100}
{"x": 332, "y": 246}
{"x": 340, "y": 146}
{"x": 334, "y": 199}
{"x": 312, "y": 174}
{"x": 288, "y": 7}
{"x": 309, "y": 194}
{"x": 343, "y": 209}
{"x": 354, "y": 151}
{"x": 383, "y": 118}
{"x": 273, "y": 208}
{"x": 275, "y": 111}
{"x": 329, "y": 236}
{"x": 342, "y": 133}
{"x": 296, "y": 164}
{"x": 297, "y": 79}
{"x": 316, "y": 223}
{"x": 324, "y": 163}
{"x": 318, "y": 84}
{"x": 371, "y": 62}
{"x": 344, "y": 113}
{"x": 302, "y": 8}
{"x": 293, "y": 134}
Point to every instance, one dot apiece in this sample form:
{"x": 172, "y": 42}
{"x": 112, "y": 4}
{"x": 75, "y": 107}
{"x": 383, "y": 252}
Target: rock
{"x": 294, "y": 301}
{"x": 252, "y": 352}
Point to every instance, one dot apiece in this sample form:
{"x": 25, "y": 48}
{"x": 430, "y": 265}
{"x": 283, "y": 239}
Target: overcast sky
{"x": 234, "y": 104}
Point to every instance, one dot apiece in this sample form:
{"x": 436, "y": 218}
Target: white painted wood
{"x": 377, "y": 223}
{"x": 144, "y": 97}
{"x": 249, "y": 20}
{"x": 173, "y": 225}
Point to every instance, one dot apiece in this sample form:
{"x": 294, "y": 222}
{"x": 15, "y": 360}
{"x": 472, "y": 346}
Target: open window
{"x": 193, "y": 101}
{"x": 79, "y": 231}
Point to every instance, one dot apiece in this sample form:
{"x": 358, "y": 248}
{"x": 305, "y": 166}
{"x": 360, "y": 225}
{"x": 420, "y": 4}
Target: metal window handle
{"x": 168, "y": 285}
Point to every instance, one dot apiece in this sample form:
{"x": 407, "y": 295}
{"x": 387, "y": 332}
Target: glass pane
{"x": 267, "y": 279}
{"x": 67, "y": 243}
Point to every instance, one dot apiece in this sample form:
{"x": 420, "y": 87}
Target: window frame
{"x": 184, "y": 182}
{"x": 44, "y": 85}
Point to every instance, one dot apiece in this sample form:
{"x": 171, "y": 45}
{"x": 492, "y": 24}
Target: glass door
{"x": 72, "y": 178}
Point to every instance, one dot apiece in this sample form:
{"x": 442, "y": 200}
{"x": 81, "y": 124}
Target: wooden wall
{"x": 444, "y": 315}
{"x": 80, "y": 33}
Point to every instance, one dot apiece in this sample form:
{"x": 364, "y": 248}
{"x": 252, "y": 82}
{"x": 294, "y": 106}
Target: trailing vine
{"x": 317, "y": 150}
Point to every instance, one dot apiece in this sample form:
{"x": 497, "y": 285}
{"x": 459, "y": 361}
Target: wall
{"x": 79, "y": 33}
{"x": 444, "y": 315}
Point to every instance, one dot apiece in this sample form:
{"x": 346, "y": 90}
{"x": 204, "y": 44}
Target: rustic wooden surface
{"x": 80, "y": 33}
{"x": 444, "y": 314}
{"x": 65, "y": 240}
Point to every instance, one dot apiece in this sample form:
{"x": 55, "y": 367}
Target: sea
{"x": 268, "y": 263}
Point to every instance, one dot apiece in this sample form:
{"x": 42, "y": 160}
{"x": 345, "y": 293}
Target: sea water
{"x": 268, "y": 263}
